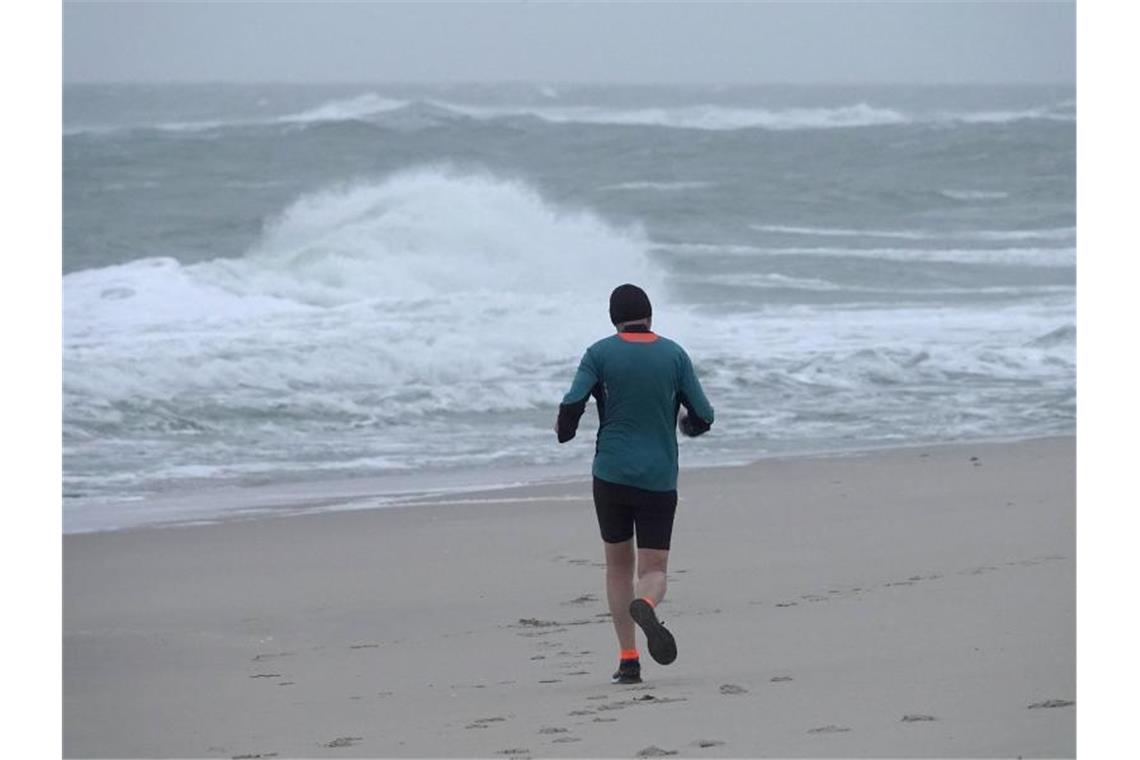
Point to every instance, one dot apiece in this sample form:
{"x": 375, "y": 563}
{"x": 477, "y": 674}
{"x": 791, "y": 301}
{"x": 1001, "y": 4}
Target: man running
{"x": 640, "y": 381}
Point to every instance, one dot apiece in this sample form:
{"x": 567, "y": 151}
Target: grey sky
{"x": 922, "y": 42}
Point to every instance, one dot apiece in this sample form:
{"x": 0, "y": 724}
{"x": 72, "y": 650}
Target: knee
{"x": 619, "y": 559}
{"x": 651, "y": 561}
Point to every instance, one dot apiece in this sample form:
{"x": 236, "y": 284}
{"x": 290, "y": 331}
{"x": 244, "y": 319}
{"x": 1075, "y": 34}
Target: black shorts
{"x": 623, "y": 508}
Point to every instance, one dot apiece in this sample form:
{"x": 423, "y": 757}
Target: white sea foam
{"x": 714, "y": 117}
{"x": 662, "y": 186}
{"x": 344, "y": 109}
{"x": 447, "y": 291}
{"x": 1047, "y": 113}
{"x": 721, "y": 117}
{"x": 703, "y": 117}
{"x": 1027, "y": 256}
{"x": 776, "y": 281}
{"x": 974, "y": 195}
{"x": 348, "y": 109}
{"x": 1047, "y": 233}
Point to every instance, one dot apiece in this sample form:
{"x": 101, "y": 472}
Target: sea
{"x": 385, "y": 290}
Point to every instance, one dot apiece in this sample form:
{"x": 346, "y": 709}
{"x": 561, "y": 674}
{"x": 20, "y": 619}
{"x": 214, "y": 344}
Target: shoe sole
{"x": 662, "y": 645}
{"x": 626, "y": 680}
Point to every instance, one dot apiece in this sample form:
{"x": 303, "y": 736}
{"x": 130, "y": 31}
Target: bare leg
{"x": 619, "y": 590}
{"x": 651, "y": 566}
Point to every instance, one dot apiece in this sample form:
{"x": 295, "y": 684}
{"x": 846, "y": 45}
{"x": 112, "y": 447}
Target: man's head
{"x": 629, "y": 303}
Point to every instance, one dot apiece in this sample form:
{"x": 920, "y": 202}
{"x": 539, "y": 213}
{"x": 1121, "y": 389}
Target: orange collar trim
{"x": 638, "y": 337}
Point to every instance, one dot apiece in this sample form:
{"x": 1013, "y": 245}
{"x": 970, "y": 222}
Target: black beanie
{"x": 629, "y": 303}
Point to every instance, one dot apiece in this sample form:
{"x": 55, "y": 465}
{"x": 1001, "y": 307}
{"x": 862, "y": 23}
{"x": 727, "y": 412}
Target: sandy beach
{"x": 915, "y": 602}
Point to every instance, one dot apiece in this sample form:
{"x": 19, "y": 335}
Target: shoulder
{"x": 671, "y": 346}
{"x": 603, "y": 345}
{"x": 600, "y": 348}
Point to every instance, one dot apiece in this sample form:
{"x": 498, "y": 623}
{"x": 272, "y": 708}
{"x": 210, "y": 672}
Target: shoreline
{"x": 916, "y": 602}
{"x": 303, "y": 496}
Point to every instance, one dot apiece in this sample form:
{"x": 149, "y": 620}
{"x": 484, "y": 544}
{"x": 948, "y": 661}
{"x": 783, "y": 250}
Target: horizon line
{"x": 562, "y": 83}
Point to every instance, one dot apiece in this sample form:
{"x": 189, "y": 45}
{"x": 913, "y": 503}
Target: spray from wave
{"x": 431, "y": 290}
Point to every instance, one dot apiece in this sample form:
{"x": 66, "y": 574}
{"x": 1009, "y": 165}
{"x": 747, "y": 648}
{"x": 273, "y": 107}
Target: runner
{"x": 640, "y": 381}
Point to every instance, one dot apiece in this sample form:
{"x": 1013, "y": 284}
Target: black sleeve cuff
{"x": 692, "y": 425}
{"x": 568, "y": 416}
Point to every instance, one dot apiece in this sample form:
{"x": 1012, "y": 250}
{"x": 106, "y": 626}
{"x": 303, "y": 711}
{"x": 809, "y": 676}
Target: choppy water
{"x": 274, "y": 283}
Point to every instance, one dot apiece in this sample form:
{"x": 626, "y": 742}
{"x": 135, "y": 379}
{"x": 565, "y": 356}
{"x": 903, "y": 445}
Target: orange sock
{"x": 649, "y": 601}
{"x": 629, "y": 654}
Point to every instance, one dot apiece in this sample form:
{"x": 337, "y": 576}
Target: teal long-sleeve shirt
{"x": 639, "y": 380}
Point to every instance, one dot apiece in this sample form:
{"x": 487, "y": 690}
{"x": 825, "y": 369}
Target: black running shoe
{"x": 629, "y": 671}
{"x": 662, "y": 646}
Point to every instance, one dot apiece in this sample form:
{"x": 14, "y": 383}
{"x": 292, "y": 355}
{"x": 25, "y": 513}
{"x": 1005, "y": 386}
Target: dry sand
{"x": 915, "y": 602}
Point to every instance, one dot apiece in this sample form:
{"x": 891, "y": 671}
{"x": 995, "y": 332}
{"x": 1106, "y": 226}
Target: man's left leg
{"x": 654, "y": 533}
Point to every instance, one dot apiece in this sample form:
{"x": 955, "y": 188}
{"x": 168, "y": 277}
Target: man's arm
{"x": 699, "y": 412}
{"x": 574, "y": 402}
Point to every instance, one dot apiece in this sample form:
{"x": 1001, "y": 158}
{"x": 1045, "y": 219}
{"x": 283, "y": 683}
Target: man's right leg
{"x": 619, "y": 591}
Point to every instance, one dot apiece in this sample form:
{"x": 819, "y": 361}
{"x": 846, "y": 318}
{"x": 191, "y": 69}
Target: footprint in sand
{"x": 706, "y": 743}
{"x": 254, "y": 755}
{"x": 266, "y": 675}
{"x": 780, "y": 679}
{"x": 731, "y": 688}
{"x": 484, "y": 722}
{"x": 343, "y": 741}
{"x": 605, "y": 720}
{"x": 514, "y": 751}
{"x": 583, "y": 599}
{"x": 655, "y": 751}
{"x": 613, "y": 706}
{"x": 1051, "y": 703}
{"x": 553, "y": 730}
{"x": 566, "y": 740}
{"x": 828, "y": 729}
{"x": 918, "y": 718}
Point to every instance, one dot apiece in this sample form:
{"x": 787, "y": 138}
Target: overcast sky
{"x": 873, "y": 42}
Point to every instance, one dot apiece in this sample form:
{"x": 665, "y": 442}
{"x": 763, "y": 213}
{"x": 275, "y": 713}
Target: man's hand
{"x": 566, "y": 425}
{"x": 691, "y": 425}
